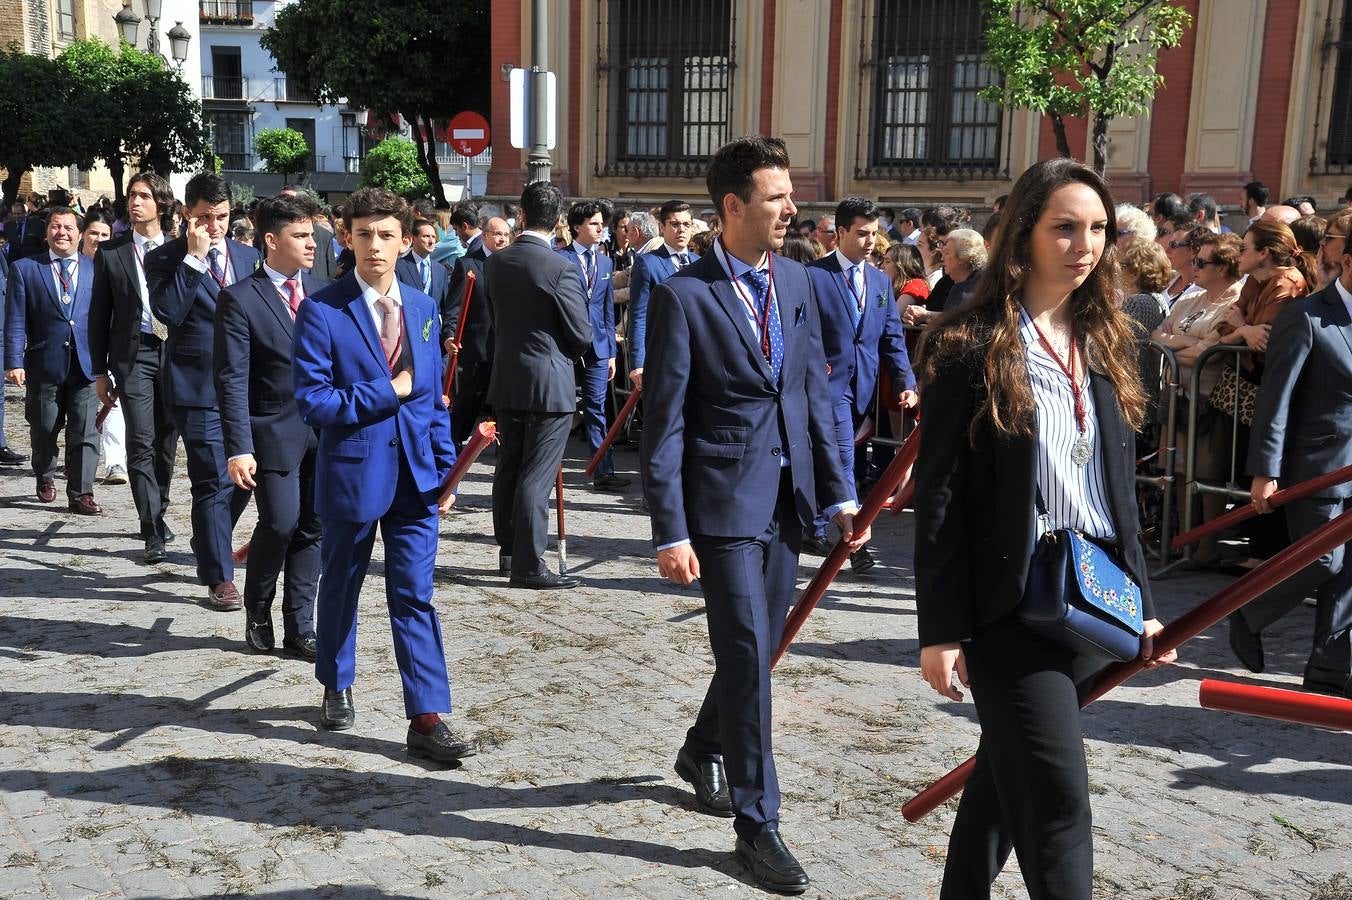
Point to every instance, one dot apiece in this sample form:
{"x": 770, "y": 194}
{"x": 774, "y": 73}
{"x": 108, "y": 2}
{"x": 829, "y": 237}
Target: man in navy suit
{"x": 418, "y": 269}
{"x": 860, "y": 327}
{"x": 587, "y": 221}
{"x": 475, "y": 361}
{"x": 367, "y": 371}
{"x": 185, "y": 277}
{"x": 8, "y": 457}
{"x": 47, "y": 352}
{"x": 738, "y": 453}
{"x": 270, "y": 450}
{"x": 650, "y": 270}
{"x": 1302, "y": 427}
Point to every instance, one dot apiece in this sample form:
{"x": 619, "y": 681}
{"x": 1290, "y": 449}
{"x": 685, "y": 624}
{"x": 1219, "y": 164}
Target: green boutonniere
{"x": 882, "y": 301}
{"x": 427, "y": 329}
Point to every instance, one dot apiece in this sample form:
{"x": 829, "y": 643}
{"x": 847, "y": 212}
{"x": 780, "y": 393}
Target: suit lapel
{"x": 262, "y": 284}
{"x": 48, "y": 270}
{"x": 1338, "y": 314}
{"x": 361, "y": 314}
{"x": 1110, "y": 438}
{"x": 732, "y": 304}
{"x": 84, "y": 288}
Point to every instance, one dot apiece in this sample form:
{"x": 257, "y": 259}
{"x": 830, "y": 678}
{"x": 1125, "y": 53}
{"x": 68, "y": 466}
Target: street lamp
{"x": 179, "y": 38}
{"x": 153, "y": 10}
{"x": 128, "y": 23}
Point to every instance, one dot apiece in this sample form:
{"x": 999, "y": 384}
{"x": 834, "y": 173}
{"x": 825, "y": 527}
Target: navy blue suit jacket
{"x": 252, "y": 354}
{"x": 40, "y": 330}
{"x": 476, "y": 341}
{"x": 342, "y": 385}
{"x": 853, "y": 351}
{"x": 1302, "y": 422}
{"x": 714, "y": 421}
{"x": 600, "y": 300}
{"x": 649, "y": 270}
{"x": 406, "y": 270}
{"x": 184, "y": 299}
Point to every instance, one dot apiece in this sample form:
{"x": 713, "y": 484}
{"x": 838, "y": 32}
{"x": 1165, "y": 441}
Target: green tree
{"x": 1090, "y": 58}
{"x": 283, "y": 150}
{"x": 40, "y": 122}
{"x": 393, "y": 164}
{"x": 423, "y": 60}
{"x": 130, "y": 108}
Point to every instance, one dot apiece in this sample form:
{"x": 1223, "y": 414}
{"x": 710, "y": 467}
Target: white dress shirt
{"x": 141, "y": 246}
{"x": 371, "y": 296}
{"x": 56, "y": 275}
{"x": 279, "y": 281}
{"x": 227, "y": 265}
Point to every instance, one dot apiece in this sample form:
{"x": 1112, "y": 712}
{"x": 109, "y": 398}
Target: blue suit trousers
{"x": 594, "y": 378}
{"x": 409, "y": 530}
{"x": 847, "y": 425}
{"x": 216, "y": 502}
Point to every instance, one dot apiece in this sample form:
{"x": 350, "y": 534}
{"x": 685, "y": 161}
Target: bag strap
{"x": 1043, "y": 516}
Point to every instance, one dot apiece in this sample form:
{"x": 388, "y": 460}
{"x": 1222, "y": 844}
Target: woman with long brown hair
{"x": 1030, "y": 399}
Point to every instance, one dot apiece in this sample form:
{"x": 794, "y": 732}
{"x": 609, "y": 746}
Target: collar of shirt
{"x": 844, "y": 261}
{"x": 54, "y": 257}
{"x": 734, "y": 266}
{"x": 538, "y": 236}
{"x": 672, "y": 251}
{"x": 278, "y": 280}
{"x": 418, "y": 260}
{"x": 580, "y": 250}
{"x": 1344, "y": 294}
{"x": 144, "y": 243}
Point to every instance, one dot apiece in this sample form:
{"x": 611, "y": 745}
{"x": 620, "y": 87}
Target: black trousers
{"x": 286, "y": 538}
{"x": 1030, "y": 789}
{"x": 152, "y": 437}
{"x": 72, "y": 405}
{"x": 748, "y": 584}
{"x": 1329, "y": 578}
{"x": 528, "y": 461}
{"x": 469, "y": 402}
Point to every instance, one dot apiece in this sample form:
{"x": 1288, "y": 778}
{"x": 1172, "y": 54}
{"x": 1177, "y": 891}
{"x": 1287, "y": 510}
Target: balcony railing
{"x": 225, "y": 12}
{"x": 284, "y": 91}
{"x": 225, "y": 87}
{"x": 236, "y": 162}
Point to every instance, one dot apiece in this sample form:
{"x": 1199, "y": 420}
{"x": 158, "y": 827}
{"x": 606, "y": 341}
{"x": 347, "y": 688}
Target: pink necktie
{"x": 293, "y": 296}
{"x": 390, "y": 329}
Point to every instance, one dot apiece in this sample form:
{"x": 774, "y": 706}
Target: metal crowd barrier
{"x": 1165, "y": 482}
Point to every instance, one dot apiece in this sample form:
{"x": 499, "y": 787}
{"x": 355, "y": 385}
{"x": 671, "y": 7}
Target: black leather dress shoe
{"x": 609, "y": 483}
{"x": 862, "y": 560}
{"x": 300, "y": 646}
{"x": 154, "y": 551}
{"x": 546, "y": 581}
{"x": 442, "y": 745}
{"x": 336, "y": 712}
{"x": 1247, "y": 645}
{"x": 9, "y": 458}
{"x": 258, "y": 630}
{"x": 710, "y": 784}
{"x": 772, "y": 865}
{"x": 817, "y": 546}
{"x": 168, "y": 533}
{"x": 1327, "y": 681}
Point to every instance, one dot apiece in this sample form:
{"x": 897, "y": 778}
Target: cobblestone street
{"x": 145, "y": 753}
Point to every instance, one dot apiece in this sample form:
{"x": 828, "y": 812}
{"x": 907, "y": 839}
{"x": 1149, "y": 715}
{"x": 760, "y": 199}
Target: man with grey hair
{"x": 826, "y": 232}
{"x": 642, "y": 229}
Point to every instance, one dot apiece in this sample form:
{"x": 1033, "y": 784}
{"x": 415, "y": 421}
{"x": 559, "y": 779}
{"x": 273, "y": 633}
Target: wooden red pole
{"x": 459, "y": 333}
{"x": 484, "y": 434}
{"x": 1275, "y": 703}
{"x": 563, "y": 530}
{"x": 1183, "y": 629}
{"x": 831, "y": 566}
{"x": 1281, "y": 498}
{"x": 102, "y": 417}
{"x": 625, "y": 412}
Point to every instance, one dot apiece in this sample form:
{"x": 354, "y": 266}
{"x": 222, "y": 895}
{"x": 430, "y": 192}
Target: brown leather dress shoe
{"x": 85, "y": 506}
{"x": 224, "y": 597}
{"x": 46, "y": 491}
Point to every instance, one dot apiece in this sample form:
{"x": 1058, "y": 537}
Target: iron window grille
{"x": 230, "y": 139}
{"x": 664, "y": 93}
{"x": 1337, "y": 140}
{"x": 920, "y": 115}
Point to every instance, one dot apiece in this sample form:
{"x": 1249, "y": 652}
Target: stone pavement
{"x": 143, "y": 753}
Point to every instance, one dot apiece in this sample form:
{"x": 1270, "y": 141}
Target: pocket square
{"x": 799, "y": 316}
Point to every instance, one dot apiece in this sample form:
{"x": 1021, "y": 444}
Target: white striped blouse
{"x": 1076, "y": 496}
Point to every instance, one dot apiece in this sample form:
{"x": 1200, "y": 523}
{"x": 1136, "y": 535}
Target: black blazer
{"x": 476, "y": 344}
{"x": 115, "y": 308}
{"x": 540, "y": 327}
{"x": 252, "y": 373}
{"x": 975, "y": 504}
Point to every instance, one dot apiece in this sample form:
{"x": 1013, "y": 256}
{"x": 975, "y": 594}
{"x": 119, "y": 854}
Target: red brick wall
{"x": 1279, "y": 50}
{"x": 767, "y": 67}
{"x": 1173, "y": 106}
{"x": 832, "y": 123}
{"x": 508, "y": 171}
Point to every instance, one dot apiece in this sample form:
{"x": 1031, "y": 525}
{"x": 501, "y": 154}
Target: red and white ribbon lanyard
{"x": 66, "y": 292}
{"x": 222, "y": 279}
{"x": 762, "y": 318}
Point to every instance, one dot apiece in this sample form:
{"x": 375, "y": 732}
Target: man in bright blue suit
{"x": 47, "y": 353}
{"x": 860, "y": 329}
{"x": 650, "y": 270}
{"x": 738, "y": 453}
{"x": 366, "y": 362}
{"x": 184, "y": 277}
{"x": 587, "y": 221}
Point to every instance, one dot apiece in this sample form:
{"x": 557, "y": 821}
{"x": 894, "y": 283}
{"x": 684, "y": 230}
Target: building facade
{"x": 879, "y": 98}
{"x": 243, "y": 93}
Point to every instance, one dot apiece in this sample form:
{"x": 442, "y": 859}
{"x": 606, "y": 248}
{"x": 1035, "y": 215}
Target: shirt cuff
{"x": 195, "y": 262}
{"x": 848, "y": 506}
{"x": 679, "y": 543}
{"x": 238, "y": 456}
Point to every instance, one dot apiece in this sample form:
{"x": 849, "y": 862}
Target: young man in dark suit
{"x": 270, "y": 451}
{"x": 860, "y": 328}
{"x": 127, "y": 342}
{"x": 47, "y": 353}
{"x": 475, "y": 360}
{"x": 587, "y": 221}
{"x": 650, "y": 270}
{"x": 541, "y": 329}
{"x": 738, "y": 453}
{"x": 418, "y": 269}
{"x": 185, "y": 278}
{"x": 373, "y": 391}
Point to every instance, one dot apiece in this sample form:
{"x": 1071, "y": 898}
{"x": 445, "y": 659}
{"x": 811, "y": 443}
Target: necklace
{"x": 1081, "y": 451}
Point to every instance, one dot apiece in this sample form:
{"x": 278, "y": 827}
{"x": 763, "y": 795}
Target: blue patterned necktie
{"x": 682, "y": 260}
{"x": 761, "y": 285}
{"x": 856, "y": 307}
{"x": 426, "y": 274}
{"x": 214, "y": 258}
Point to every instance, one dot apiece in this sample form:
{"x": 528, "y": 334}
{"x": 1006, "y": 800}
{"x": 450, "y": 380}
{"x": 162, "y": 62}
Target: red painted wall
{"x": 1279, "y": 51}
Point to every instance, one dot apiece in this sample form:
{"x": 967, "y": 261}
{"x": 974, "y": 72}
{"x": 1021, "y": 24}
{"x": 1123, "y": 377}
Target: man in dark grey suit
{"x": 540, "y": 327}
{"x": 1302, "y": 427}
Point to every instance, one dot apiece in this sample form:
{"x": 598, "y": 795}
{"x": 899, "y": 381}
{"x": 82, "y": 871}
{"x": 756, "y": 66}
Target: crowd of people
{"x": 298, "y": 354}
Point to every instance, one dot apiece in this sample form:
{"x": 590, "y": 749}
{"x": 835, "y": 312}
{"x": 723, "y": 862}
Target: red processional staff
{"x": 1276, "y": 703}
{"x": 625, "y": 412}
{"x": 459, "y": 332}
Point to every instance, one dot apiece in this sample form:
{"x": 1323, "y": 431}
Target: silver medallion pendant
{"x": 65, "y": 298}
{"x": 1081, "y": 452}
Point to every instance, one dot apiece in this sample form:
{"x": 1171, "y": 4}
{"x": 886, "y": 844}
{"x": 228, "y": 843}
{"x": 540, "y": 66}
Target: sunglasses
{"x": 1332, "y": 237}
{"x": 1177, "y": 245}
{"x": 1203, "y": 263}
